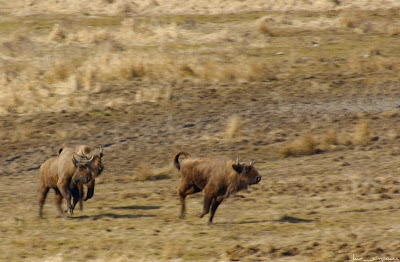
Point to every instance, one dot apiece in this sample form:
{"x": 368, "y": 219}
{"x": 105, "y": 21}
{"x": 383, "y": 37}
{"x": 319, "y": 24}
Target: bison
{"x": 96, "y": 167}
{"x": 63, "y": 173}
{"x": 218, "y": 177}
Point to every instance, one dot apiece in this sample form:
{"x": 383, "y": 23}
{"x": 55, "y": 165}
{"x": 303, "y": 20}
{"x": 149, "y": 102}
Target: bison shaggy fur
{"x": 218, "y": 177}
{"x": 97, "y": 167}
{"x": 63, "y": 173}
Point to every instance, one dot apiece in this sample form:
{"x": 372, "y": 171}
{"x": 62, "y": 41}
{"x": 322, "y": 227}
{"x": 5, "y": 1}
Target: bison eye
{"x": 248, "y": 169}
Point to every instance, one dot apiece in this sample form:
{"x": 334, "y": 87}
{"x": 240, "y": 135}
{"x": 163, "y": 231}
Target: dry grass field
{"x": 308, "y": 90}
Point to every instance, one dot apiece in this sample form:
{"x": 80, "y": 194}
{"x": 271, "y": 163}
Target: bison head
{"x": 83, "y": 172}
{"x": 97, "y": 166}
{"x": 247, "y": 172}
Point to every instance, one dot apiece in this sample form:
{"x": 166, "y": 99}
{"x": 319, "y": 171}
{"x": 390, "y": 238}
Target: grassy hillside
{"x": 306, "y": 89}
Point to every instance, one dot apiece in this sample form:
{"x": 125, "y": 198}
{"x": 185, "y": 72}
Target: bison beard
{"x": 218, "y": 177}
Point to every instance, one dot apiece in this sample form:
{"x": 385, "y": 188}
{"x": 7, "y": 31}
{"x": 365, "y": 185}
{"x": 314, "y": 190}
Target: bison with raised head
{"x": 218, "y": 177}
{"x": 97, "y": 166}
{"x": 63, "y": 173}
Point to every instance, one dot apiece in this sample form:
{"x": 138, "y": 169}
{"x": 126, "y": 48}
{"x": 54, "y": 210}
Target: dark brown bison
{"x": 218, "y": 177}
{"x": 63, "y": 173}
{"x": 97, "y": 167}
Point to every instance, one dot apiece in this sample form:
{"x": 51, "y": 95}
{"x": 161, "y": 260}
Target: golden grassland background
{"x": 307, "y": 89}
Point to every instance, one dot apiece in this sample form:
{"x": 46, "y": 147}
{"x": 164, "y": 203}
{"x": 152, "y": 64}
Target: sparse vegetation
{"x": 276, "y": 82}
{"x": 305, "y": 145}
{"x": 233, "y": 127}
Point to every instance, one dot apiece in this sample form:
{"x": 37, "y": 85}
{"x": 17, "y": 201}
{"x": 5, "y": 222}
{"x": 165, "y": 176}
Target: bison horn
{"x": 251, "y": 162}
{"x": 237, "y": 160}
{"x": 76, "y": 161}
{"x": 90, "y": 160}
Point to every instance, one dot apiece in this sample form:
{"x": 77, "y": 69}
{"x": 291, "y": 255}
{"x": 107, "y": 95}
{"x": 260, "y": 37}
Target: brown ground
{"x": 312, "y": 97}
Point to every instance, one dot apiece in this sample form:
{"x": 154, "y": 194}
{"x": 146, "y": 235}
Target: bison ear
{"x": 238, "y": 168}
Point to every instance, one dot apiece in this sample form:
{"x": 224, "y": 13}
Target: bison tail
{"x": 176, "y": 159}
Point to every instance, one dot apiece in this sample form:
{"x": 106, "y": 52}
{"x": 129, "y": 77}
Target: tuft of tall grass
{"x": 57, "y": 34}
{"x": 265, "y": 26}
{"x": 362, "y": 133}
{"x": 232, "y": 128}
{"x": 304, "y": 145}
{"x": 60, "y": 70}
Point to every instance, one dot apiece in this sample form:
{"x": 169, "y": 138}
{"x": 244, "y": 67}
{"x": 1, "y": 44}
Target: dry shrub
{"x": 331, "y": 137}
{"x": 261, "y": 72}
{"x": 144, "y": 173}
{"x": 153, "y": 94}
{"x": 391, "y": 113}
{"x": 362, "y": 133}
{"x": 130, "y": 68}
{"x": 232, "y": 127}
{"x": 173, "y": 250}
{"x": 353, "y": 19}
{"x": 96, "y": 36}
{"x": 57, "y": 34}
{"x": 373, "y": 62}
{"x": 392, "y": 29}
{"x": 238, "y": 252}
{"x": 17, "y": 44}
{"x": 235, "y": 71}
{"x": 228, "y": 73}
{"x": 265, "y": 27}
{"x": 344, "y": 139}
{"x": 88, "y": 76}
{"x": 22, "y": 134}
{"x": 305, "y": 145}
{"x": 61, "y": 133}
{"x": 60, "y": 70}
{"x": 186, "y": 70}
{"x": 208, "y": 71}
{"x": 387, "y": 64}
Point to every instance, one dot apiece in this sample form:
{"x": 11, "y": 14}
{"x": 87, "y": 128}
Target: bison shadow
{"x": 285, "y": 218}
{"x": 293, "y": 220}
{"x": 137, "y": 207}
{"x": 110, "y": 215}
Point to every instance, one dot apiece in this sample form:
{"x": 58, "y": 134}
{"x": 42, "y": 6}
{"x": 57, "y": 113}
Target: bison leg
{"x": 90, "y": 190}
{"x": 43, "y": 193}
{"x": 79, "y": 196}
{"x": 184, "y": 191}
{"x": 182, "y": 197}
{"x": 58, "y": 199}
{"x": 214, "y": 207}
{"x": 66, "y": 193}
{"x": 207, "y": 203}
